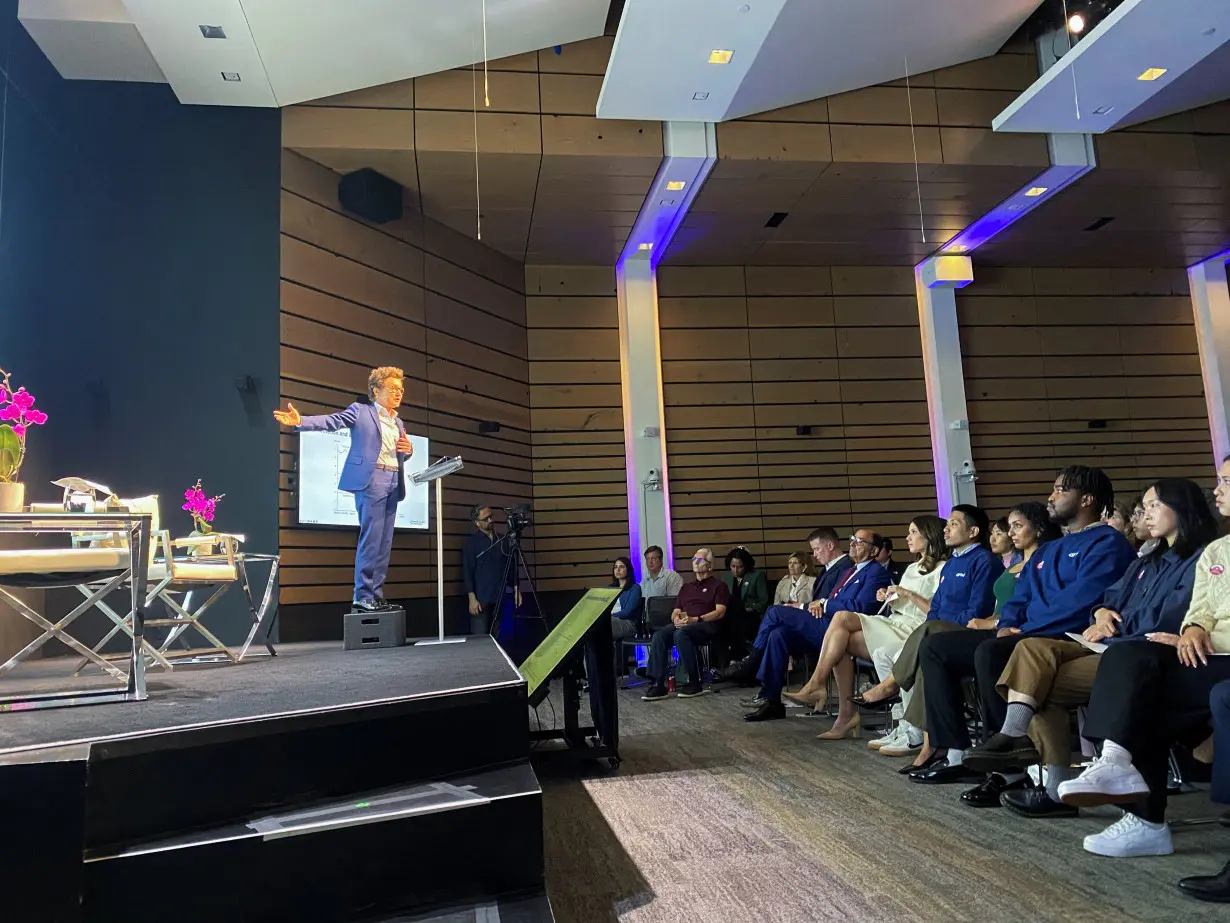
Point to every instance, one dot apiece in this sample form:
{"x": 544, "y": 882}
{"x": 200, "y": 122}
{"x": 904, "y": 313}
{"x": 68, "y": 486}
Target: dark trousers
{"x": 1219, "y": 705}
{"x": 785, "y": 632}
{"x": 481, "y": 624}
{"x": 376, "y": 505}
{"x": 1146, "y": 701}
{"x": 685, "y": 641}
{"x": 947, "y": 660}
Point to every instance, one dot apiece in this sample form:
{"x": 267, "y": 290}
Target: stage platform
{"x": 318, "y": 784}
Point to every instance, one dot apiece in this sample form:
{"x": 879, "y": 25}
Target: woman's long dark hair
{"x": 627, "y": 562}
{"x": 1197, "y": 527}
{"x": 1039, "y": 519}
{"x": 932, "y": 529}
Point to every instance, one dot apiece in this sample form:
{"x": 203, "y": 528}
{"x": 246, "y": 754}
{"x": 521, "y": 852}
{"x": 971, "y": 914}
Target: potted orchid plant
{"x": 17, "y": 415}
{"x": 202, "y": 508}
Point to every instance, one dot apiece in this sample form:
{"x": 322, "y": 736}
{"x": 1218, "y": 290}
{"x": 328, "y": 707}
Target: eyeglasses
{"x": 700, "y": 558}
{"x": 1138, "y": 513}
{"x": 855, "y": 540}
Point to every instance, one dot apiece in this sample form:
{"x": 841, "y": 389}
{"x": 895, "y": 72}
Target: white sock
{"x": 955, "y": 757}
{"x": 1113, "y": 753}
{"x": 913, "y": 734}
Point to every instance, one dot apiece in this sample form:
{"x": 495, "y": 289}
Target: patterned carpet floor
{"x": 711, "y": 818}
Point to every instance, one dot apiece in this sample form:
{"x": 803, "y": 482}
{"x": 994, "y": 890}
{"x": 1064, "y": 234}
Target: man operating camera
{"x": 486, "y": 571}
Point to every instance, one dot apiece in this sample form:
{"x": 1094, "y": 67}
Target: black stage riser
{"x": 208, "y": 777}
{"x": 412, "y": 863}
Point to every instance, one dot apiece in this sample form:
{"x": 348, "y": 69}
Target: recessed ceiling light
{"x": 958, "y": 248}
{"x": 674, "y": 185}
{"x": 1104, "y": 110}
{"x": 744, "y": 8}
{"x": 1152, "y": 73}
{"x": 212, "y": 31}
{"x": 1036, "y": 191}
{"x": 230, "y": 77}
{"x": 1076, "y": 23}
{"x": 644, "y": 246}
{"x": 720, "y": 56}
{"x": 701, "y": 95}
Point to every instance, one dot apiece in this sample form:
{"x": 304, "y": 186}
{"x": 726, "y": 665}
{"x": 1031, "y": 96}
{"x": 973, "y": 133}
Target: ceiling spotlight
{"x": 644, "y": 246}
{"x": 212, "y": 31}
{"x": 1036, "y": 191}
{"x": 1152, "y": 73}
{"x": 720, "y": 56}
{"x": 230, "y": 77}
{"x": 674, "y": 185}
{"x": 700, "y": 95}
{"x": 1076, "y": 23}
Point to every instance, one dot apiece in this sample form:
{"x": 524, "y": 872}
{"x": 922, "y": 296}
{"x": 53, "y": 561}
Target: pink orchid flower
{"x": 37, "y": 417}
{"x": 19, "y": 429}
{"x": 10, "y": 412}
{"x": 4, "y": 395}
{"x": 23, "y": 400}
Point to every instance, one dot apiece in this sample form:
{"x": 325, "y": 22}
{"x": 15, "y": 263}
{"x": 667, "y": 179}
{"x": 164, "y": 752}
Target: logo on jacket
{"x": 1217, "y": 570}
{"x": 1040, "y": 563}
{"x": 959, "y": 575}
{"x": 1073, "y": 554}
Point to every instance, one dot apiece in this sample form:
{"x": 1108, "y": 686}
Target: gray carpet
{"x": 712, "y": 818}
{"x": 302, "y": 676}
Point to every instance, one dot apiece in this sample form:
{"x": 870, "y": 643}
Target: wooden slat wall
{"x": 446, "y": 309}
{"x": 580, "y": 497}
{"x": 749, "y": 354}
{"x": 1048, "y": 350}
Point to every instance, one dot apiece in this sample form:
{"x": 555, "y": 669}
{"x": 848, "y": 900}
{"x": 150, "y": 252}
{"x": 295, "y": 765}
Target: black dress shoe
{"x": 1035, "y": 802}
{"x": 881, "y": 705}
{"x": 945, "y": 775}
{"x": 1214, "y": 888}
{"x": 769, "y": 711}
{"x": 987, "y": 795}
{"x": 743, "y": 671}
{"x": 755, "y": 702}
{"x": 929, "y": 763}
{"x": 1001, "y": 752}
{"x": 368, "y": 605}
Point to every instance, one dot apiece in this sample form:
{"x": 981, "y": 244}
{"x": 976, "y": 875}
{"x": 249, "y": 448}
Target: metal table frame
{"x": 136, "y": 526}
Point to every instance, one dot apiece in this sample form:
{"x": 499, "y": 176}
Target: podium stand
{"x": 438, "y": 472}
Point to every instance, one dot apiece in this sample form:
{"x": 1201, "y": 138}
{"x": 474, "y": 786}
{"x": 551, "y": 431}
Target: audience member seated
{"x": 863, "y": 635}
{"x": 699, "y": 608}
{"x": 796, "y": 587}
{"x": 1119, "y": 516}
{"x": 659, "y": 580}
{"x": 1138, "y": 533}
{"x": 1055, "y": 595}
{"x": 1216, "y": 888}
{"x": 626, "y": 614}
{"x": 1001, "y": 543}
{"x": 963, "y": 596}
{"x": 1045, "y": 678}
{"x": 749, "y": 597}
{"x": 1146, "y": 697}
{"x": 1029, "y": 525}
{"x": 895, "y": 568}
{"x": 833, "y": 563}
{"x": 787, "y": 632}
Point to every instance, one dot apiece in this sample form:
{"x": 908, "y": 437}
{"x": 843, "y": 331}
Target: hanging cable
{"x": 486, "y": 87}
{"x": 1076, "y": 96}
{"x": 922, "y": 224}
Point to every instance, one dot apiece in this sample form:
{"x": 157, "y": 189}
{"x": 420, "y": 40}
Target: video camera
{"x": 518, "y": 517}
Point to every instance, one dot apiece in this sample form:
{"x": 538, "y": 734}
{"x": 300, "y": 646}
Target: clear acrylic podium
{"x": 438, "y": 472}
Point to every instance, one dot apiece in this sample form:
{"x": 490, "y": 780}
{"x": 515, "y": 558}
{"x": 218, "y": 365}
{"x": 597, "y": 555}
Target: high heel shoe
{"x": 852, "y": 729}
{"x": 804, "y": 698}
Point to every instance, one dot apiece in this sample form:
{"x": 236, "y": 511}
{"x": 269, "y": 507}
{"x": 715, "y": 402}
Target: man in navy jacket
{"x": 373, "y": 472}
{"x": 786, "y": 632}
{"x": 1055, "y": 594}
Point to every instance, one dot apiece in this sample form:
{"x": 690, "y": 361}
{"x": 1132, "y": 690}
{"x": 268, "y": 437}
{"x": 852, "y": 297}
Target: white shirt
{"x": 667, "y": 583}
{"x": 389, "y": 434}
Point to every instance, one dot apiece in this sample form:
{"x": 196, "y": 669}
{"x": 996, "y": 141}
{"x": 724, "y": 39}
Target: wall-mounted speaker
{"x": 370, "y": 195}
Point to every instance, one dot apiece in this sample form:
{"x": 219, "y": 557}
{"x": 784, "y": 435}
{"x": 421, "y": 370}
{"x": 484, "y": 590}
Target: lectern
{"x": 438, "y": 472}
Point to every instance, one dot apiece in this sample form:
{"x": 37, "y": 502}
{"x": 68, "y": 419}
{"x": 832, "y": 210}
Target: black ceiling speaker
{"x": 370, "y": 195}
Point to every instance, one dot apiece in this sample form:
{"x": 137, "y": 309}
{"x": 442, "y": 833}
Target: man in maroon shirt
{"x": 699, "y": 607}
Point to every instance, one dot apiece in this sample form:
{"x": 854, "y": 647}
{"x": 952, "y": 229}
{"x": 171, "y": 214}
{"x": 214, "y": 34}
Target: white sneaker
{"x": 903, "y": 746}
{"x": 888, "y": 739}
{"x": 1104, "y": 783}
{"x": 1128, "y": 837}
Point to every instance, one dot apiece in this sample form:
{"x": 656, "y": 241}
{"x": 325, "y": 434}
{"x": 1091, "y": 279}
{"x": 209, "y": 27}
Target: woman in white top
{"x": 795, "y": 588}
{"x": 910, "y": 601}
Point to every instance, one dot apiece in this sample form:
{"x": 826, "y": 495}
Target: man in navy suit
{"x": 373, "y": 472}
{"x": 787, "y": 632}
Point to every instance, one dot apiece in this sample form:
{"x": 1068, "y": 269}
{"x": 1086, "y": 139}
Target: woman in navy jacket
{"x": 626, "y": 614}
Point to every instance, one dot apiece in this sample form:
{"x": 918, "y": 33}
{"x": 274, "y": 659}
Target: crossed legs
{"x": 843, "y": 640}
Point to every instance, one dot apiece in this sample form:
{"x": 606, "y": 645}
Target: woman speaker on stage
{"x": 373, "y": 472}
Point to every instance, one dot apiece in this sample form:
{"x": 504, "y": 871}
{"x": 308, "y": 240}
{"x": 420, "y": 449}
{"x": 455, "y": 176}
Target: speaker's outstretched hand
{"x": 289, "y": 416}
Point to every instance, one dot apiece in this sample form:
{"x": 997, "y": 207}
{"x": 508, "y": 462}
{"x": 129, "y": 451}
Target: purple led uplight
{"x": 1014, "y": 208}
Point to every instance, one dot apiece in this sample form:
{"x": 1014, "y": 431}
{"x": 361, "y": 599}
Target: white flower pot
{"x": 12, "y": 496}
